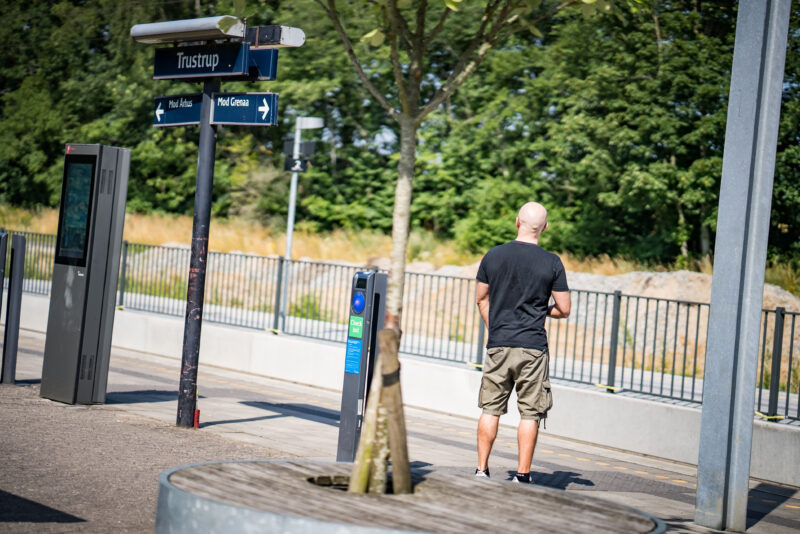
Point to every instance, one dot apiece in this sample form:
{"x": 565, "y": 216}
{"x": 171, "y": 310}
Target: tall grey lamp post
{"x": 734, "y": 319}
{"x": 302, "y": 123}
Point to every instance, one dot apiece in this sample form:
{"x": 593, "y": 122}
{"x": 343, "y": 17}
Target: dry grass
{"x": 239, "y": 234}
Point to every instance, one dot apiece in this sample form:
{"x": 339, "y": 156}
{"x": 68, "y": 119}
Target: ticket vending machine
{"x": 85, "y": 272}
{"x": 367, "y": 310}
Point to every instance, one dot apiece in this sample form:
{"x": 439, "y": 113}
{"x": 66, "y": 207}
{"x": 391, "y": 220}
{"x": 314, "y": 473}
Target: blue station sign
{"x": 177, "y": 110}
{"x": 263, "y": 63}
{"x": 246, "y": 109}
{"x": 203, "y": 61}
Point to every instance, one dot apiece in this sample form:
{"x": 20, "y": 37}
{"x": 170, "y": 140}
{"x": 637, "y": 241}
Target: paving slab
{"x": 91, "y": 469}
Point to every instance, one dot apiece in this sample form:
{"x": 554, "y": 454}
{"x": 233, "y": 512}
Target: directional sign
{"x": 307, "y": 148}
{"x": 201, "y": 61}
{"x": 295, "y": 165}
{"x": 177, "y": 110}
{"x": 249, "y": 109}
{"x": 263, "y": 64}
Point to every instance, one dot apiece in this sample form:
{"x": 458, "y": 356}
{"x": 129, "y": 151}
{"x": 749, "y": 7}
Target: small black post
{"x": 187, "y": 392}
{"x": 612, "y": 345}
{"x": 3, "y": 240}
{"x": 123, "y": 272}
{"x": 775, "y": 376}
{"x": 481, "y": 341}
{"x": 11, "y": 335}
{"x": 276, "y": 311}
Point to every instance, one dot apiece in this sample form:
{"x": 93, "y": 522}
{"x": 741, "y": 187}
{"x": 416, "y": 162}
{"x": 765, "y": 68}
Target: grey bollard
{"x": 3, "y": 240}
{"x": 11, "y": 335}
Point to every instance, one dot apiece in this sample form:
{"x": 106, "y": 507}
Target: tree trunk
{"x": 392, "y": 401}
{"x": 383, "y": 433}
{"x": 401, "y": 221}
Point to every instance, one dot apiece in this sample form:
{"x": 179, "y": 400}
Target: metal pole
{"x": 614, "y": 342}
{"x": 748, "y": 165}
{"x": 481, "y": 348}
{"x": 11, "y": 335}
{"x": 187, "y": 393}
{"x": 775, "y": 371}
{"x": 276, "y": 309}
{"x": 3, "y": 240}
{"x": 123, "y": 273}
{"x": 290, "y": 223}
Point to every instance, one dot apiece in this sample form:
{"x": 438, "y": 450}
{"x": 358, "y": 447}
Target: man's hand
{"x": 482, "y": 298}
{"x": 561, "y": 308}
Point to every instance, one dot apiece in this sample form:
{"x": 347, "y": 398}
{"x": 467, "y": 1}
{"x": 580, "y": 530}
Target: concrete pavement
{"x": 86, "y": 469}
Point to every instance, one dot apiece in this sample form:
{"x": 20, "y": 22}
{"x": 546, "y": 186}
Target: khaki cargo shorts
{"x": 528, "y": 369}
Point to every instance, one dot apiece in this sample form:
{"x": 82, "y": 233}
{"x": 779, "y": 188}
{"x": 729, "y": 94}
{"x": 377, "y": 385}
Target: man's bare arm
{"x": 561, "y": 308}
{"x": 482, "y": 298}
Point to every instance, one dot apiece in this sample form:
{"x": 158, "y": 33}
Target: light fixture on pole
{"x": 302, "y": 123}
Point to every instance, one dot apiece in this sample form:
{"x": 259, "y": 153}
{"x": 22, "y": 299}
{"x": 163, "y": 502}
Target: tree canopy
{"x": 615, "y": 123}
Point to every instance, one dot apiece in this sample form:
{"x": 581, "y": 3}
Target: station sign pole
{"x": 187, "y": 394}
{"x": 249, "y": 54}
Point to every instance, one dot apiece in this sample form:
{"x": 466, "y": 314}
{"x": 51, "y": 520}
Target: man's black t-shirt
{"x": 521, "y": 277}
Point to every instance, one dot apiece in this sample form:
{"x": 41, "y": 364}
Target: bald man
{"x": 515, "y": 283}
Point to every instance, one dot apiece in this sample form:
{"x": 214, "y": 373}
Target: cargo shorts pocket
{"x": 545, "y": 400}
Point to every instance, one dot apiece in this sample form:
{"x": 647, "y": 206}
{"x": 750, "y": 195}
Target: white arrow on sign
{"x": 264, "y": 109}
{"x": 159, "y": 112}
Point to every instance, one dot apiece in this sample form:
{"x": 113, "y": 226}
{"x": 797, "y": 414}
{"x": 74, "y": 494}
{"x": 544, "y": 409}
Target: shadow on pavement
{"x": 15, "y": 509}
{"x": 249, "y": 420}
{"x": 140, "y": 396}
{"x": 29, "y": 382}
{"x": 558, "y": 479}
{"x": 303, "y": 411}
{"x": 765, "y": 498}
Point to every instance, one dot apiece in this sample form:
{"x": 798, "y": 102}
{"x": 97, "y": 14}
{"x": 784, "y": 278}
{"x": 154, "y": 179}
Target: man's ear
{"x": 517, "y": 223}
{"x": 546, "y": 224}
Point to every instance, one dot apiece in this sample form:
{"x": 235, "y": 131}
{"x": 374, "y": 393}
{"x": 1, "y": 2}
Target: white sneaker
{"x": 482, "y": 473}
{"x": 520, "y": 478}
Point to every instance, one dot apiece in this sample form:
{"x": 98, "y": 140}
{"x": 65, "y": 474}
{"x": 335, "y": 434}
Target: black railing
{"x": 648, "y": 345}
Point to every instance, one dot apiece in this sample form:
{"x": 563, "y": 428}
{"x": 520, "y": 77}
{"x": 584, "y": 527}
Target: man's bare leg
{"x": 487, "y": 432}
{"x": 527, "y": 432}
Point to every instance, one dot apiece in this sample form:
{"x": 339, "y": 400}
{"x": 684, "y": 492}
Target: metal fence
{"x": 648, "y": 345}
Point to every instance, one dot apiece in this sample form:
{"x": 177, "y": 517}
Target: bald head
{"x": 531, "y": 221}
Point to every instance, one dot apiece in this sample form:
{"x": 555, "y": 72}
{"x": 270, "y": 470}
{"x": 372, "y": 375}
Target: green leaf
{"x": 375, "y": 37}
{"x": 404, "y": 4}
{"x": 452, "y": 4}
{"x": 238, "y": 7}
{"x": 536, "y": 31}
{"x": 226, "y": 23}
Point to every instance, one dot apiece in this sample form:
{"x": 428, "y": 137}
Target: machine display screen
{"x": 76, "y": 202}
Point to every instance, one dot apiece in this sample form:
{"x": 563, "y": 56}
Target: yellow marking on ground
{"x": 546, "y": 451}
{"x": 769, "y": 501}
{"x": 694, "y": 485}
{"x": 661, "y": 476}
{"x": 601, "y": 463}
{"x": 641, "y": 472}
{"x": 449, "y": 429}
{"x": 464, "y": 433}
{"x": 620, "y": 467}
{"x": 583, "y": 459}
{"x": 565, "y": 455}
{"x": 434, "y": 426}
{"x": 678, "y": 481}
{"x": 793, "y": 506}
